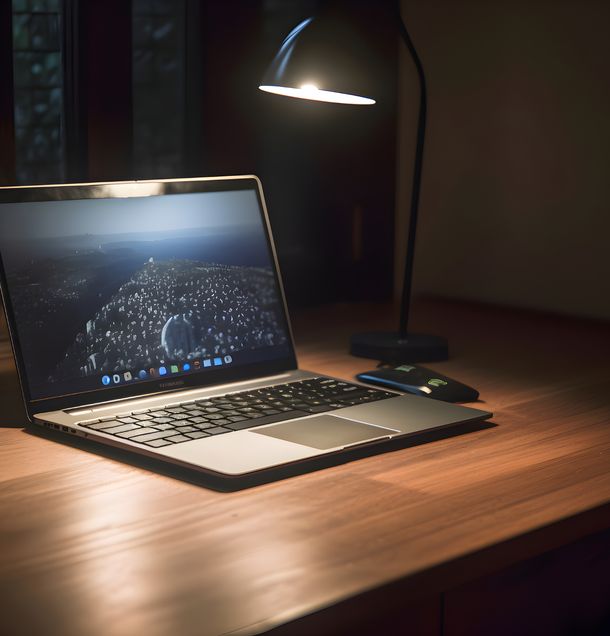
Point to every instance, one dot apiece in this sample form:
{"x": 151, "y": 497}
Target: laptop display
{"x": 123, "y": 290}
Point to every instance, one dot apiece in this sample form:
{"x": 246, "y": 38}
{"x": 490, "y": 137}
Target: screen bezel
{"x": 126, "y": 189}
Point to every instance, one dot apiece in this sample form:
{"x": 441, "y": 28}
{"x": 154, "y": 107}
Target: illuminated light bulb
{"x": 312, "y": 92}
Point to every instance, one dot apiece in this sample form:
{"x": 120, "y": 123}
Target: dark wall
{"x": 515, "y": 205}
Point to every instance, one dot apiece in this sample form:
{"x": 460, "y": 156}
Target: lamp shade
{"x": 323, "y": 59}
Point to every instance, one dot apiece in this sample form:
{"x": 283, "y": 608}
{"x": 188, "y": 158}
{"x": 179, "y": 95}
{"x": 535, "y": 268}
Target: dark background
{"x": 515, "y": 205}
{"x": 516, "y": 189}
{"x": 113, "y": 89}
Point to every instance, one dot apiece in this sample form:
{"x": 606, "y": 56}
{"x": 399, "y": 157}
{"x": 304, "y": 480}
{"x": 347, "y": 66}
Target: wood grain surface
{"x": 91, "y": 545}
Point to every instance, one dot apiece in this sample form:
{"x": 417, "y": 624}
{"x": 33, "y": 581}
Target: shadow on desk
{"x": 231, "y": 484}
{"x": 13, "y": 411}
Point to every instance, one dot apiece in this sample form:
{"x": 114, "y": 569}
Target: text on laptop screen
{"x": 113, "y": 291}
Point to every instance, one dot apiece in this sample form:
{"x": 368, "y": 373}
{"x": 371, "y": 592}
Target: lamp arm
{"x": 405, "y": 303}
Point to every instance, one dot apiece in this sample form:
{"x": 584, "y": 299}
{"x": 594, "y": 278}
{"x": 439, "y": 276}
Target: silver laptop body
{"x": 128, "y": 299}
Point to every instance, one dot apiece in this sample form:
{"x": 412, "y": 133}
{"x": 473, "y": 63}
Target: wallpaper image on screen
{"x": 100, "y": 287}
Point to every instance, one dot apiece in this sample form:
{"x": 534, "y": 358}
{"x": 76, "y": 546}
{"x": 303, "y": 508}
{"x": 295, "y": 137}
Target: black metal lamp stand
{"x": 403, "y": 346}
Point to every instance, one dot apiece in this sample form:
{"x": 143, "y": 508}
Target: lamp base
{"x": 388, "y": 346}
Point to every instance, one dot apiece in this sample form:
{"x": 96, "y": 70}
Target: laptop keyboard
{"x": 205, "y": 417}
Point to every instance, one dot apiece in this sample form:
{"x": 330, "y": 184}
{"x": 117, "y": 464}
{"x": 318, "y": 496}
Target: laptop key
{"x": 100, "y": 426}
{"x": 240, "y": 426}
{"x": 162, "y": 426}
{"x": 127, "y": 420}
{"x": 318, "y": 409}
{"x": 191, "y": 406}
{"x": 197, "y": 434}
{"x": 120, "y": 429}
{"x": 138, "y": 430}
{"x": 162, "y": 420}
{"x": 157, "y": 443}
{"x": 248, "y": 409}
{"x": 197, "y": 420}
{"x": 217, "y": 430}
{"x": 178, "y": 438}
{"x": 185, "y": 429}
{"x": 149, "y": 436}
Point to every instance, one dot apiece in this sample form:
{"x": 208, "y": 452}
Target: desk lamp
{"x": 322, "y": 59}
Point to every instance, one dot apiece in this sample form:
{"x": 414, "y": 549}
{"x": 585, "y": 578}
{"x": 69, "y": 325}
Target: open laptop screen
{"x": 115, "y": 291}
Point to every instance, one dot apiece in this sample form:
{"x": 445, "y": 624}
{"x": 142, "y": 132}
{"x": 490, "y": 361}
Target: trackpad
{"x": 324, "y": 431}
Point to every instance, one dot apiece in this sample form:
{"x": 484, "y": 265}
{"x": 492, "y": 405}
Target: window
{"x": 38, "y": 91}
{"x": 158, "y": 87}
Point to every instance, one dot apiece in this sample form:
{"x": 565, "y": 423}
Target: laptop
{"x": 150, "y": 316}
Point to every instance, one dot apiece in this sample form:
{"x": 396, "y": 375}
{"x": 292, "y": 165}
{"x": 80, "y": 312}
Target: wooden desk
{"x": 460, "y": 535}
